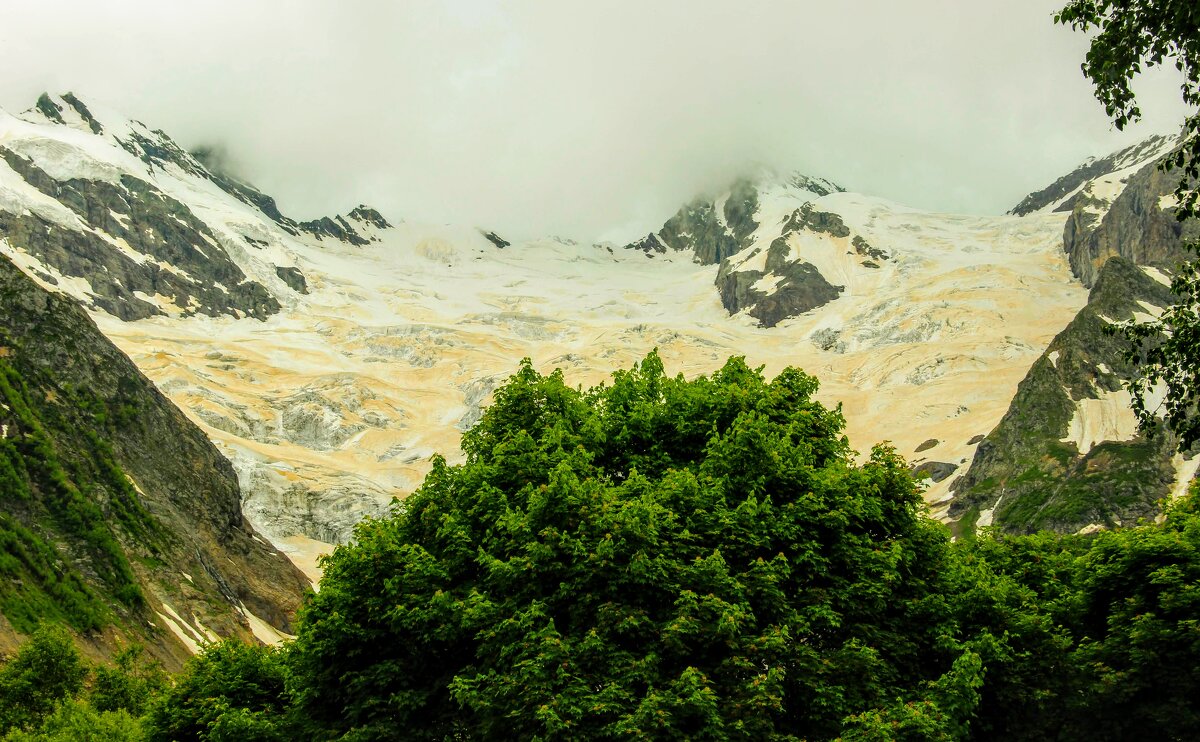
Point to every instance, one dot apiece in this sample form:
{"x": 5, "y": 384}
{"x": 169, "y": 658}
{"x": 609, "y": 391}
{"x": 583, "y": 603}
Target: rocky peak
{"x": 758, "y": 272}
{"x": 1139, "y": 225}
{"x": 1064, "y": 193}
{"x": 367, "y": 215}
{"x": 67, "y": 110}
{"x": 814, "y": 185}
{"x": 354, "y": 229}
{"x": 710, "y": 229}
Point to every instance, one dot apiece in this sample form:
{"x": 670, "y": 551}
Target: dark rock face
{"x": 863, "y": 248}
{"x": 696, "y": 228}
{"x": 158, "y": 150}
{"x": 140, "y": 496}
{"x": 927, "y": 445}
{"x": 49, "y": 108}
{"x": 293, "y": 278}
{"x": 496, "y": 240}
{"x": 367, "y": 215}
{"x": 337, "y": 228}
{"x": 1023, "y": 468}
{"x": 808, "y": 218}
{"x": 83, "y": 112}
{"x": 648, "y": 244}
{"x": 1135, "y": 227}
{"x": 801, "y": 288}
{"x": 935, "y": 470}
{"x": 1082, "y": 174}
{"x": 205, "y": 281}
{"x": 714, "y": 237}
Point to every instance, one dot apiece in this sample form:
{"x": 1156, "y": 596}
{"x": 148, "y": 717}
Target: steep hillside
{"x": 118, "y": 516}
{"x": 1138, "y": 225}
{"x": 1067, "y": 454}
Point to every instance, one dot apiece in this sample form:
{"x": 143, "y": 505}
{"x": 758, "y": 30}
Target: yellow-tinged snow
{"x": 335, "y": 404}
{"x": 402, "y": 341}
{"x": 193, "y": 637}
{"x": 1108, "y": 418}
{"x": 305, "y": 553}
{"x": 1185, "y": 472}
{"x": 263, "y": 631}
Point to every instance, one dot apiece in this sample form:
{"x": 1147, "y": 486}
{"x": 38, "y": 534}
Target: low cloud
{"x": 591, "y": 120}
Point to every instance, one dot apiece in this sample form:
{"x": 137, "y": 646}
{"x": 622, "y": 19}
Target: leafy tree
{"x": 77, "y": 721}
{"x": 655, "y": 558}
{"x": 1100, "y": 633}
{"x": 1138, "y": 619}
{"x": 1132, "y": 34}
{"x": 45, "y": 671}
{"x": 129, "y": 684}
{"x": 232, "y": 691}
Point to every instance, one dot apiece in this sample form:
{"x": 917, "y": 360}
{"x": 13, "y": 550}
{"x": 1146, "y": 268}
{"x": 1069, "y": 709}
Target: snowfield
{"x": 333, "y": 406}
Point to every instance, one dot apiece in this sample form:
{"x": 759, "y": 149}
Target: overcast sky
{"x": 590, "y": 119}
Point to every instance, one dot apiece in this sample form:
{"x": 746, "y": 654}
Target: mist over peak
{"x": 593, "y": 121}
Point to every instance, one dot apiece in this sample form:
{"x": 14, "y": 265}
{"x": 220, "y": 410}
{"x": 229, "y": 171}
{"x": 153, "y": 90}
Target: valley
{"x": 339, "y": 355}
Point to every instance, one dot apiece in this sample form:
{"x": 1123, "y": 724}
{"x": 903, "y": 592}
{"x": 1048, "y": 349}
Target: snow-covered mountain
{"x": 329, "y": 359}
{"x": 1067, "y": 454}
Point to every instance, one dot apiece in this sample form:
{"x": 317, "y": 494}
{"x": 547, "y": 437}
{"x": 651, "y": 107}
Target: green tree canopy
{"x": 233, "y": 691}
{"x": 47, "y": 670}
{"x": 652, "y": 558}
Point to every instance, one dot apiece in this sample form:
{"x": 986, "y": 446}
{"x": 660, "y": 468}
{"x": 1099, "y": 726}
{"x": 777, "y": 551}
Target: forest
{"x": 665, "y": 558}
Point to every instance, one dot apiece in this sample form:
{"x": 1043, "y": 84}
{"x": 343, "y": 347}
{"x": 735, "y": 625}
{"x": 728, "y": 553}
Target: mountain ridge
{"x": 110, "y": 490}
{"x": 384, "y": 347}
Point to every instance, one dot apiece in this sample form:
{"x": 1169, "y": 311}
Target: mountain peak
{"x": 367, "y": 215}
{"x": 68, "y": 110}
{"x": 1061, "y": 194}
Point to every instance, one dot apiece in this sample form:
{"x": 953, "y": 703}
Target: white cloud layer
{"x": 591, "y": 119}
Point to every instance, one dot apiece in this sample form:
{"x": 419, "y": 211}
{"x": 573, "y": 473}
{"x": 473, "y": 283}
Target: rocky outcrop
{"x": 495, "y": 239}
{"x": 138, "y": 248}
{"x": 366, "y": 215}
{"x": 293, "y": 277}
{"x": 48, "y": 108}
{"x": 797, "y": 287}
{"x": 935, "y": 471}
{"x": 1049, "y": 462}
{"x": 351, "y": 230}
{"x": 337, "y": 228}
{"x": 721, "y": 231}
{"x": 119, "y": 516}
{"x": 1072, "y": 182}
{"x": 711, "y": 231}
{"x": 821, "y": 222}
{"x": 84, "y": 113}
{"x": 1139, "y": 226}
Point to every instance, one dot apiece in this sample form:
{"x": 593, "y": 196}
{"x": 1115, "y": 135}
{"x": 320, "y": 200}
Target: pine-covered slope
{"x": 117, "y": 515}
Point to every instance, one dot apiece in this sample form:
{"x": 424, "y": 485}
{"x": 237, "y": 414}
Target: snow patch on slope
{"x": 1105, "y": 419}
